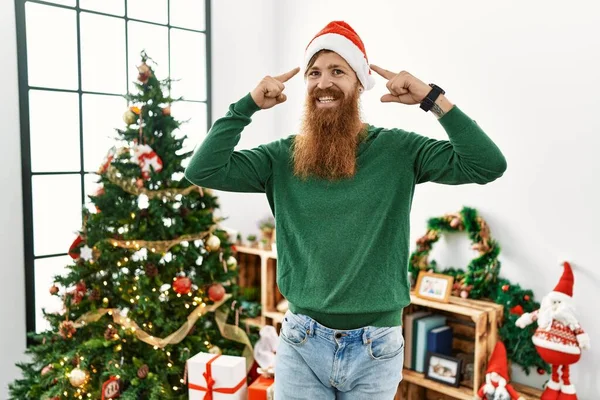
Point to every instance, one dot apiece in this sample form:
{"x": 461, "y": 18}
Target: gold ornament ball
{"x": 455, "y": 223}
{"x": 129, "y": 117}
{"x": 78, "y": 377}
{"x": 232, "y": 263}
{"x": 215, "y": 350}
{"x": 213, "y": 243}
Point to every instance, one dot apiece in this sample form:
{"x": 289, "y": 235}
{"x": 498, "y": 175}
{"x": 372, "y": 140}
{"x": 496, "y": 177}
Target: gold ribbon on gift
{"x": 130, "y": 186}
{"x": 228, "y": 331}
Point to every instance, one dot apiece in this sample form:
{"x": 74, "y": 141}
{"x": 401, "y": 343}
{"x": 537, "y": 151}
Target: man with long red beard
{"x": 341, "y": 192}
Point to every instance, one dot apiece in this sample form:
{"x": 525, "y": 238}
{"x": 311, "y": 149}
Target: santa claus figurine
{"x": 559, "y": 337}
{"x": 147, "y": 159}
{"x": 496, "y": 386}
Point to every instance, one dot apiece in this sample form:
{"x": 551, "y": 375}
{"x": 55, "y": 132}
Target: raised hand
{"x": 403, "y": 87}
{"x": 269, "y": 91}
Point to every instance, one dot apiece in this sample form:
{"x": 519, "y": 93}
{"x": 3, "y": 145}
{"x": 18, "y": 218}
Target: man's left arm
{"x": 469, "y": 156}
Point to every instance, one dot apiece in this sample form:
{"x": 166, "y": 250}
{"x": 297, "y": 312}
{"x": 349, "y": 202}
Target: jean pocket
{"x": 388, "y": 345}
{"x": 292, "y": 332}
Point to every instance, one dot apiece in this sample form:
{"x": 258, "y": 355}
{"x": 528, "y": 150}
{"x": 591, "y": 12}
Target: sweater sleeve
{"x": 469, "y": 156}
{"x": 216, "y": 165}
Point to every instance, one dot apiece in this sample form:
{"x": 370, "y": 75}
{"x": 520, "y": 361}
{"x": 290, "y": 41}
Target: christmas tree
{"x": 153, "y": 278}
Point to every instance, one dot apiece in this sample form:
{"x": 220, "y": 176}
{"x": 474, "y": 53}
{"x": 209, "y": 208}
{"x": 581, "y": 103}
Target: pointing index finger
{"x": 288, "y": 75}
{"x": 383, "y": 72}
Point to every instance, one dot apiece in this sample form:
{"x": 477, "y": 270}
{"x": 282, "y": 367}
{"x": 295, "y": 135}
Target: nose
{"x": 324, "y": 82}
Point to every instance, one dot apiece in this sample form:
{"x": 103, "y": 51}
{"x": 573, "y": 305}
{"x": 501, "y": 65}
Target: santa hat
{"x": 564, "y": 289}
{"x": 498, "y": 362}
{"x": 339, "y": 37}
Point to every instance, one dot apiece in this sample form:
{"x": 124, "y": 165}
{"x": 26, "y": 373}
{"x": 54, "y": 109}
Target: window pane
{"x": 154, "y": 39}
{"x": 101, "y": 115}
{"x": 116, "y": 7}
{"x": 63, "y": 2}
{"x": 103, "y": 55}
{"x": 56, "y": 212}
{"x": 91, "y": 187}
{"x": 54, "y": 124}
{"x": 195, "y": 128}
{"x": 152, "y": 11}
{"x": 51, "y": 46}
{"x": 45, "y": 270}
{"x": 188, "y": 14}
{"x": 188, "y": 64}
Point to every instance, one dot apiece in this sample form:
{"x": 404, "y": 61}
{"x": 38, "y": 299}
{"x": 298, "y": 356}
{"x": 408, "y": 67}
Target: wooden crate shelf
{"x": 270, "y": 296}
{"x": 413, "y": 377}
{"x": 259, "y": 267}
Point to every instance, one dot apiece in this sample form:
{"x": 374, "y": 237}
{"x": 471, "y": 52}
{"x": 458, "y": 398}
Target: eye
{"x": 338, "y": 72}
{"x": 313, "y": 73}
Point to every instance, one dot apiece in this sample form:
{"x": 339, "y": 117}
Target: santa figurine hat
{"x": 564, "y": 289}
{"x": 339, "y": 37}
{"x": 498, "y": 361}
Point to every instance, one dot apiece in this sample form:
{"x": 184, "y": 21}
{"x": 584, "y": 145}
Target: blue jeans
{"x": 314, "y": 362}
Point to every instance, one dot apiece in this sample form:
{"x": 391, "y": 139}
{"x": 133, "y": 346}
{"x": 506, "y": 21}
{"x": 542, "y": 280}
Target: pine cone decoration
{"x": 66, "y": 329}
{"x": 151, "y": 270}
{"x": 94, "y": 295}
{"x": 142, "y": 372}
{"x": 110, "y": 333}
{"x": 183, "y": 211}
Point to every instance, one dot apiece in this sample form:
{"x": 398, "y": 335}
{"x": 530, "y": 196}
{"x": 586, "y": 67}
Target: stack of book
{"x": 425, "y": 332}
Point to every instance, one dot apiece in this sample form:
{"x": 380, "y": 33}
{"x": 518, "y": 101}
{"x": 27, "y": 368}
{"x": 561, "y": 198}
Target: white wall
{"x": 526, "y": 71}
{"x": 12, "y": 274}
{"x": 243, "y": 41}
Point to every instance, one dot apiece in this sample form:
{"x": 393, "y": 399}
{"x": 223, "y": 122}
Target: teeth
{"x": 326, "y": 99}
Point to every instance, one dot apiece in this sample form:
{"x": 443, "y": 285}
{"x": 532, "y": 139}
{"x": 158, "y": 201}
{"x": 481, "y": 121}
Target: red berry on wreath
{"x": 182, "y": 285}
{"x": 526, "y": 297}
{"x": 541, "y": 371}
{"x": 216, "y": 292}
{"x": 505, "y": 288}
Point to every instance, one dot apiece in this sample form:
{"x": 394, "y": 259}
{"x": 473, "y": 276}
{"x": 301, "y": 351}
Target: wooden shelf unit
{"x": 483, "y": 314}
{"x": 269, "y": 293}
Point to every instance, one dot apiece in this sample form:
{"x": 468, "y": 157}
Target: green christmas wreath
{"x": 481, "y": 280}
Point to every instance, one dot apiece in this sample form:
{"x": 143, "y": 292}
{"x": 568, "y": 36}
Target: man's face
{"x": 331, "y": 126}
{"x": 329, "y": 80}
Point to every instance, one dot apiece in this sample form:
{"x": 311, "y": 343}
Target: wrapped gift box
{"x": 262, "y": 389}
{"x": 222, "y": 376}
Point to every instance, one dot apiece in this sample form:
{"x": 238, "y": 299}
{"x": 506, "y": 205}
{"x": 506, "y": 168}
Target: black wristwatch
{"x": 431, "y": 97}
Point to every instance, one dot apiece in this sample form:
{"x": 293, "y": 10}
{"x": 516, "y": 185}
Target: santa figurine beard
{"x": 558, "y": 338}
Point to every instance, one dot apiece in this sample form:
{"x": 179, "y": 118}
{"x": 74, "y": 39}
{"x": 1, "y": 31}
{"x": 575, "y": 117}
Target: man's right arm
{"x": 216, "y": 165}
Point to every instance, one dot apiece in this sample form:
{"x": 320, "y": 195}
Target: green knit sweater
{"x": 343, "y": 246}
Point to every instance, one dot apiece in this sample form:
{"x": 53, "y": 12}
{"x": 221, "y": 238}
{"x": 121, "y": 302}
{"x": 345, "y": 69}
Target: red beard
{"x": 330, "y": 137}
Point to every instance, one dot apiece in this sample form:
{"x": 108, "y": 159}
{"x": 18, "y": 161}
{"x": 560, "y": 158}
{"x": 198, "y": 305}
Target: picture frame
{"x": 436, "y": 287}
{"x": 443, "y": 369}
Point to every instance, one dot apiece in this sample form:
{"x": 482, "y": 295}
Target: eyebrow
{"x": 330, "y": 66}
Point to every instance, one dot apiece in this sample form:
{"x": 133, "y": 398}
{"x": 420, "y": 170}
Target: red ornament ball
{"x": 517, "y": 310}
{"x": 182, "y": 285}
{"x": 541, "y": 371}
{"x": 505, "y": 288}
{"x": 216, "y": 292}
{"x": 526, "y": 297}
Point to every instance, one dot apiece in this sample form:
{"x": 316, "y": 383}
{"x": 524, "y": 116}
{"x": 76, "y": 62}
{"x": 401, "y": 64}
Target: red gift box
{"x": 262, "y": 389}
